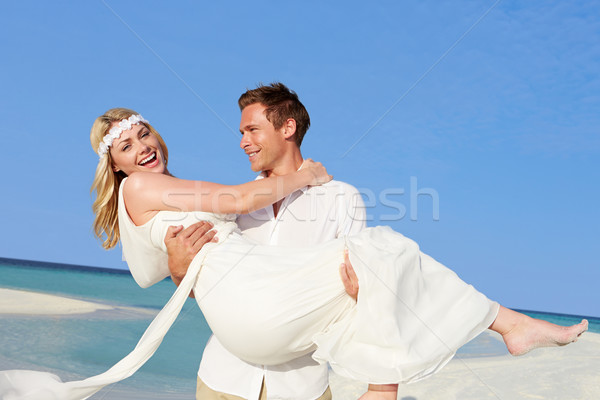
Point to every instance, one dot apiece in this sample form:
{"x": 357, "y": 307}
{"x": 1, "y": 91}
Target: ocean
{"x": 82, "y": 345}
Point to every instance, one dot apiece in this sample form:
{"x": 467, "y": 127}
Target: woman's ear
{"x": 289, "y": 128}
{"x": 115, "y": 168}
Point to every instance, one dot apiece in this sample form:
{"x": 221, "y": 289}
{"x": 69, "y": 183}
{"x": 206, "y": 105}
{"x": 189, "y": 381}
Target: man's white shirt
{"x": 307, "y": 217}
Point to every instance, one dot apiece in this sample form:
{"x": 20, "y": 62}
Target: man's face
{"x": 263, "y": 144}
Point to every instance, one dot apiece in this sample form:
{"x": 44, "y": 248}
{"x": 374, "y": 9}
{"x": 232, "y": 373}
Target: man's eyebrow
{"x": 247, "y": 127}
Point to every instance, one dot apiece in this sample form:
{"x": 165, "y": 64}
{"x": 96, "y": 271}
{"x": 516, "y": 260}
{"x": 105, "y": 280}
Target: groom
{"x": 273, "y": 124}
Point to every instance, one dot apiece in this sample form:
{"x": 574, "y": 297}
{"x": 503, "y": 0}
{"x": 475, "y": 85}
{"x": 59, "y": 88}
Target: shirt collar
{"x": 262, "y": 175}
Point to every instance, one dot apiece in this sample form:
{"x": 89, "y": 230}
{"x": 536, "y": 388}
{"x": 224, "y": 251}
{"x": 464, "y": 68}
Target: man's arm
{"x": 184, "y": 244}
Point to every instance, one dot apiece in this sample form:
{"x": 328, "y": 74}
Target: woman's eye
{"x": 126, "y": 147}
{"x": 145, "y": 134}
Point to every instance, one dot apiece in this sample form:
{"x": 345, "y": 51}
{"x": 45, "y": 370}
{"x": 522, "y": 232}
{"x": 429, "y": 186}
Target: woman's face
{"x": 137, "y": 149}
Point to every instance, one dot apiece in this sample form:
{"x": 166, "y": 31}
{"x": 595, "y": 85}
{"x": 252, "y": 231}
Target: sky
{"x": 472, "y": 127}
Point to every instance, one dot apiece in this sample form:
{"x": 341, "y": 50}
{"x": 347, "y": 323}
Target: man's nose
{"x": 244, "y": 142}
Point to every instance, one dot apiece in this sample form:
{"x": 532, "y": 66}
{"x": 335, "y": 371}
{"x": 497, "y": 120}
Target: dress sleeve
{"x": 146, "y": 258}
{"x": 147, "y": 261}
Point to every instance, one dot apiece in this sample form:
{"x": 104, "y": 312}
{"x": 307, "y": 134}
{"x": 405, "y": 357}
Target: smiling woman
{"x": 115, "y": 121}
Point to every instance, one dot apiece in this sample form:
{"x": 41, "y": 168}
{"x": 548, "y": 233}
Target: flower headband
{"x": 114, "y": 133}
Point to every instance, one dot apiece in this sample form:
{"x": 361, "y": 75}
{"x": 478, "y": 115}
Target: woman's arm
{"x": 146, "y": 193}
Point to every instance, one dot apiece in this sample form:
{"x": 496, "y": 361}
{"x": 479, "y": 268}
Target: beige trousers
{"x": 203, "y": 392}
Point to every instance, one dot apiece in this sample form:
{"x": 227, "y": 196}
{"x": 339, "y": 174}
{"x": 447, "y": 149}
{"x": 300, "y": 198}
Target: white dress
{"x": 411, "y": 316}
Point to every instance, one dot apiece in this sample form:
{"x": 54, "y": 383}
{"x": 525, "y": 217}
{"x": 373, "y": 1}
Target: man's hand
{"x": 349, "y": 278}
{"x": 184, "y": 244}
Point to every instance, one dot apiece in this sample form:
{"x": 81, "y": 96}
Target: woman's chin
{"x": 159, "y": 169}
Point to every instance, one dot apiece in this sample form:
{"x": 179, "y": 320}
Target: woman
{"x": 411, "y": 316}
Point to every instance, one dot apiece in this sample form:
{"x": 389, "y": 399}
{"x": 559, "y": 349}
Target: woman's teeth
{"x": 148, "y": 159}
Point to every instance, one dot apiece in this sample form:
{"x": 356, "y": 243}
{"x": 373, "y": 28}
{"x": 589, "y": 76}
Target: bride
{"x": 411, "y": 316}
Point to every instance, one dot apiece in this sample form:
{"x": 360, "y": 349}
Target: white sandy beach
{"x": 33, "y": 303}
{"x": 571, "y": 372}
{"x": 23, "y": 302}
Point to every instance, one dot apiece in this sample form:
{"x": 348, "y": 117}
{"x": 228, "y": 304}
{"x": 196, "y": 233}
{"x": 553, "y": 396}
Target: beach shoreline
{"x": 22, "y": 302}
{"x": 480, "y": 373}
{"x": 19, "y": 302}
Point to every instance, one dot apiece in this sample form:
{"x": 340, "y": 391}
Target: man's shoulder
{"x": 335, "y": 195}
{"x": 337, "y": 187}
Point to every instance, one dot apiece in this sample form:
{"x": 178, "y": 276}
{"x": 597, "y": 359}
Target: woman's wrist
{"x": 307, "y": 177}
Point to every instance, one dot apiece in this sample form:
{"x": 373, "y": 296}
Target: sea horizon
{"x": 87, "y": 268}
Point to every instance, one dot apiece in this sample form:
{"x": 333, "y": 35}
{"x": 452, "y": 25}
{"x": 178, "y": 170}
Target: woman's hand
{"x": 318, "y": 172}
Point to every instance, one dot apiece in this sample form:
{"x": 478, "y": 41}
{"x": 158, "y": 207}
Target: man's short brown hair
{"x": 281, "y": 103}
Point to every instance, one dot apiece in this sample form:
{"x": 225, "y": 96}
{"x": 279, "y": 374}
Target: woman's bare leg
{"x": 522, "y": 333}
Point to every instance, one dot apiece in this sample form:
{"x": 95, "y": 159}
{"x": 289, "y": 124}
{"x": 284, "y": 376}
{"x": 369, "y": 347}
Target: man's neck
{"x": 286, "y": 165}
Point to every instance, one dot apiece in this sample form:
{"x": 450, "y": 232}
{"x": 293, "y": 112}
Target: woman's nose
{"x": 144, "y": 148}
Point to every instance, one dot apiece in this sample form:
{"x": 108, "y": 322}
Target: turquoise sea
{"x": 78, "y": 346}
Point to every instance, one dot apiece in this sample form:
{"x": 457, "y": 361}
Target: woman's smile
{"x": 150, "y": 161}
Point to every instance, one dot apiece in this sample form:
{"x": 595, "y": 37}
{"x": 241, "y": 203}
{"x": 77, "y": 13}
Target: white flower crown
{"x": 115, "y": 132}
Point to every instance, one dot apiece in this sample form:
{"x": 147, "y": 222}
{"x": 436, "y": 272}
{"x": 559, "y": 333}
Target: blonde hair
{"x": 107, "y": 181}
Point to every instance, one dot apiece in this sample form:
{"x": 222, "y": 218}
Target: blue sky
{"x": 493, "y": 106}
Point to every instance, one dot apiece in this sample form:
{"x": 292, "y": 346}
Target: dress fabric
{"x": 411, "y": 316}
{"x": 309, "y": 216}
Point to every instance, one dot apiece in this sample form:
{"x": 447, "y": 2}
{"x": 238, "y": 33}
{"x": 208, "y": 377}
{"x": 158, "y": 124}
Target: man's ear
{"x": 289, "y": 128}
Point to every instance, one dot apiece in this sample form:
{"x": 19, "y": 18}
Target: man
{"x": 273, "y": 124}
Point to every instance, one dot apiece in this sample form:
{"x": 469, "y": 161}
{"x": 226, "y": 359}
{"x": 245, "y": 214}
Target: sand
{"x": 33, "y": 303}
{"x": 570, "y": 372}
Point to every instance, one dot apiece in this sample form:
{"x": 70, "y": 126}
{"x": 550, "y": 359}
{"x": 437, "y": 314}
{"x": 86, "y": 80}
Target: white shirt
{"x": 306, "y": 217}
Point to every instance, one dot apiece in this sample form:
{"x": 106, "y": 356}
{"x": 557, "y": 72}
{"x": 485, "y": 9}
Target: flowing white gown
{"x": 271, "y": 304}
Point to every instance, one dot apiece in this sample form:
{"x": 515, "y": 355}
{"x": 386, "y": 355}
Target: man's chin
{"x": 255, "y": 167}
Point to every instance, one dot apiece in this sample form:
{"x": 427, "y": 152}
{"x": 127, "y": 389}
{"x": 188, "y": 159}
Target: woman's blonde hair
{"x": 107, "y": 181}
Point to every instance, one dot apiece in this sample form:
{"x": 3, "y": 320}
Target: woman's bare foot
{"x": 522, "y": 334}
